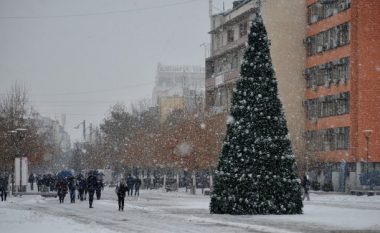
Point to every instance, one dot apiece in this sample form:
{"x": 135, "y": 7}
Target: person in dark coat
{"x": 137, "y": 186}
{"x": 3, "y": 187}
{"x": 72, "y": 188}
{"x": 39, "y": 183}
{"x": 130, "y": 183}
{"x": 91, "y": 187}
{"x": 61, "y": 187}
{"x": 81, "y": 187}
{"x": 306, "y": 187}
{"x": 121, "y": 189}
{"x": 99, "y": 186}
{"x": 31, "y": 181}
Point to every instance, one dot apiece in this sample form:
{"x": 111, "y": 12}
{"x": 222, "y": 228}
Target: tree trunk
{"x": 193, "y": 186}
{"x": 211, "y": 180}
{"x": 164, "y": 186}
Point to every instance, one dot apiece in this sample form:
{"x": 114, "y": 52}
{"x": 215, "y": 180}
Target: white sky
{"x": 79, "y": 62}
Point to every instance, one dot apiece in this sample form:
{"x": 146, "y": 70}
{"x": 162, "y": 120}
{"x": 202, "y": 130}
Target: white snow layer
{"x": 160, "y": 212}
{"x": 21, "y": 221}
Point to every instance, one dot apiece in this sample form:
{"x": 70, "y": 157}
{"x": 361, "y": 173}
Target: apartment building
{"x": 285, "y": 23}
{"x": 342, "y": 96}
{"x": 178, "y": 88}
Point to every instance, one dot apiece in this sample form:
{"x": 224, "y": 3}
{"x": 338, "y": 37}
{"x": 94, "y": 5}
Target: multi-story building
{"x": 342, "y": 97}
{"x": 285, "y": 23}
{"x": 334, "y": 72}
{"x": 178, "y": 87}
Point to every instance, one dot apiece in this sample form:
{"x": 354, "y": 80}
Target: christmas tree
{"x": 256, "y": 173}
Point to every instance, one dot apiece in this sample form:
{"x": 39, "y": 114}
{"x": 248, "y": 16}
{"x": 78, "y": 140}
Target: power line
{"x": 100, "y": 13}
{"x": 91, "y": 91}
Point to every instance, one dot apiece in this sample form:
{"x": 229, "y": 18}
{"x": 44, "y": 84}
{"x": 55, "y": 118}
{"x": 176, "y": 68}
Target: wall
{"x": 285, "y": 22}
{"x": 366, "y": 75}
{"x": 169, "y": 104}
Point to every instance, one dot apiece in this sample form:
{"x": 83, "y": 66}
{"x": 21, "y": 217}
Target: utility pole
{"x": 210, "y": 8}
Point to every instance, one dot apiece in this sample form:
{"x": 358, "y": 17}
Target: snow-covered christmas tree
{"x": 256, "y": 173}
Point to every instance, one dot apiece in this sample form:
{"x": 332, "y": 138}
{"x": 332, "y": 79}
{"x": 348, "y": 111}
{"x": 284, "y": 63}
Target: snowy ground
{"x": 159, "y": 212}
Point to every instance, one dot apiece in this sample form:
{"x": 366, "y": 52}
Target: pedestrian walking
{"x": 137, "y": 186}
{"x": 81, "y": 187}
{"x": 130, "y": 184}
{"x": 39, "y": 183}
{"x": 91, "y": 186}
{"x": 85, "y": 190}
{"x": 3, "y": 187}
{"x": 31, "y": 181}
{"x": 121, "y": 189}
{"x": 99, "y": 185}
{"x": 61, "y": 187}
{"x": 306, "y": 187}
{"x": 72, "y": 187}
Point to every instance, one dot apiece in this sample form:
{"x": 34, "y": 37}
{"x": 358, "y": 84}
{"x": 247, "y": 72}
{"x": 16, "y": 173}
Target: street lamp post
{"x": 367, "y": 134}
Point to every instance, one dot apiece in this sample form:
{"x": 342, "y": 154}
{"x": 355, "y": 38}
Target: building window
{"x": 230, "y": 35}
{"x": 329, "y": 39}
{"x": 323, "y": 9}
{"x": 327, "y": 106}
{"x": 334, "y": 72}
{"x": 328, "y": 139}
{"x": 234, "y": 61}
{"x": 243, "y": 29}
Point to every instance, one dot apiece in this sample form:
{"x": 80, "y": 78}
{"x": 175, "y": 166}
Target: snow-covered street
{"x": 157, "y": 211}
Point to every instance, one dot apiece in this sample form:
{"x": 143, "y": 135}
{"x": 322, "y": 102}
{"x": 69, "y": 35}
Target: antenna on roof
{"x": 210, "y": 8}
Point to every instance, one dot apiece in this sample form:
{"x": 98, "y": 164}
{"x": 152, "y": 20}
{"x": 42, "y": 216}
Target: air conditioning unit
{"x": 327, "y": 83}
{"x": 314, "y": 87}
{"x": 307, "y": 40}
{"x": 342, "y": 6}
{"x": 327, "y": 1}
{"x": 314, "y": 18}
{"x": 313, "y": 120}
{"x": 319, "y": 49}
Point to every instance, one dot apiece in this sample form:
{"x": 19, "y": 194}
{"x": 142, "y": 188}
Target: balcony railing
{"x": 230, "y": 45}
{"x": 221, "y": 79}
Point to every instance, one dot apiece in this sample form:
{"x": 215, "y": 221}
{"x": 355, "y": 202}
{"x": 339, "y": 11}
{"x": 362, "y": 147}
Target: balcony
{"x": 230, "y": 46}
{"x": 222, "y": 78}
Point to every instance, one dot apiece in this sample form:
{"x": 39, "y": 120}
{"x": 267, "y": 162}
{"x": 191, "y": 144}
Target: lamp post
{"x": 367, "y": 134}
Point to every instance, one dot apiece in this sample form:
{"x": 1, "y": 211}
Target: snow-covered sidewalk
{"x": 157, "y": 211}
{"x": 21, "y": 221}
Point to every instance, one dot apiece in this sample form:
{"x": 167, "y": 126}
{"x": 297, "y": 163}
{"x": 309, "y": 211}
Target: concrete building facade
{"x": 285, "y": 23}
{"x": 178, "y": 87}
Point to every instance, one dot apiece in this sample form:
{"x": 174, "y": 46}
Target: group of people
{"x": 91, "y": 185}
{"x": 127, "y": 187}
{"x": 47, "y": 181}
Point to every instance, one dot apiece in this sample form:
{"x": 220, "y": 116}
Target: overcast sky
{"x": 79, "y": 57}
